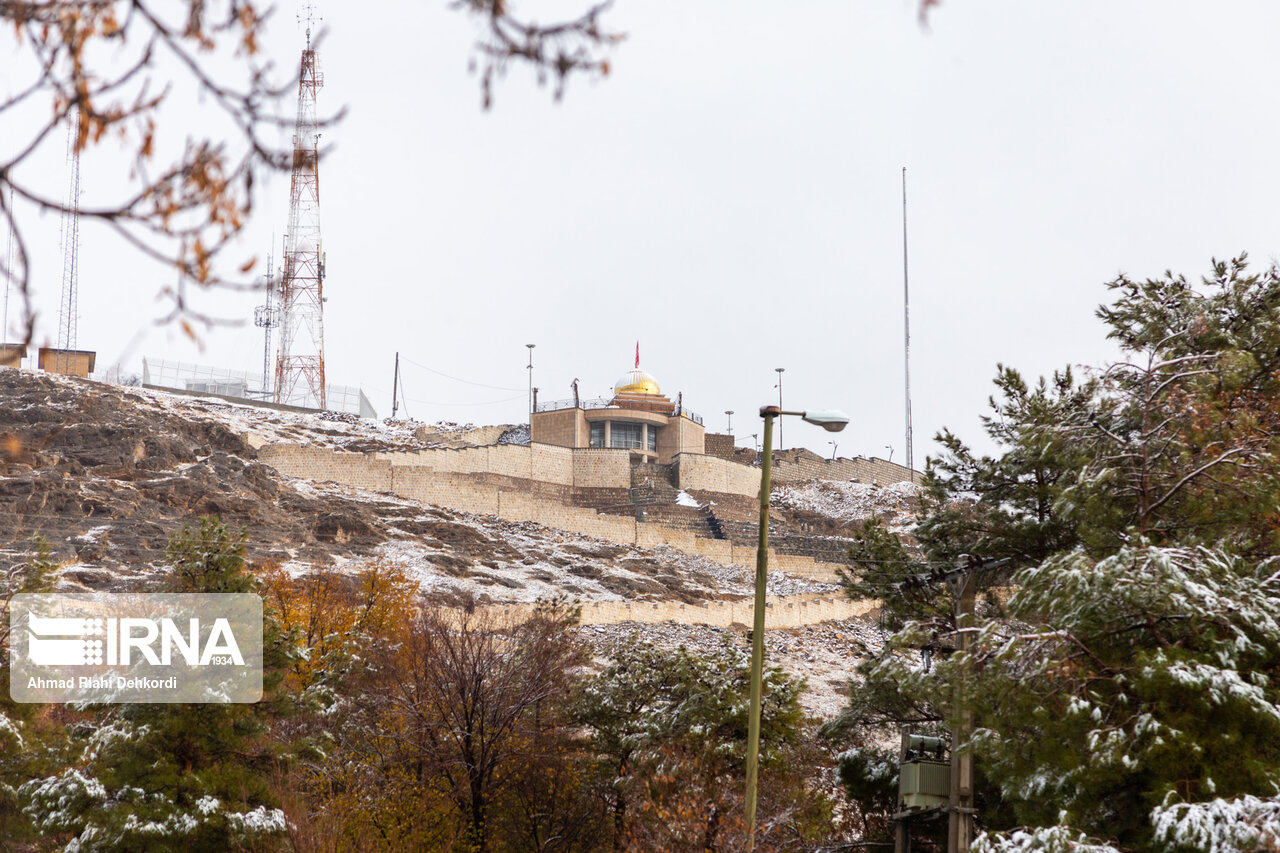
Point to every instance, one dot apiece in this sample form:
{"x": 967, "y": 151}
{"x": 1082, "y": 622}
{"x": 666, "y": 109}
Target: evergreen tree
{"x": 175, "y": 776}
{"x": 1128, "y": 690}
{"x": 1181, "y": 441}
{"x": 669, "y": 729}
{"x": 1003, "y": 507}
{"x": 1122, "y": 685}
{"x": 27, "y": 742}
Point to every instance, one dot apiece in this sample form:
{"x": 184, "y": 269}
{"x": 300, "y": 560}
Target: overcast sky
{"x": 730, "y": 196}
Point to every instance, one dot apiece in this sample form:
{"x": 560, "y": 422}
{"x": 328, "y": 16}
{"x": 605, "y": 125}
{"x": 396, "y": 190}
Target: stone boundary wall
{"x": 546, "y": 463}
{"x": 791, "y": 467}
{"x": 719, "y": 444}
{"x": 361, "y": 470}
{"x": 713, "y": 474}
{"x": 789, "y": 611}
{"x": 465, "y": 437}
{"x": 601, "y": 468}
{"x": 512, "y": 499}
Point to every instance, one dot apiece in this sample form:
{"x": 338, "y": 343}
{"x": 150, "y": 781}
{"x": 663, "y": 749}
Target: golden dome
{"x": 637, "y": 382}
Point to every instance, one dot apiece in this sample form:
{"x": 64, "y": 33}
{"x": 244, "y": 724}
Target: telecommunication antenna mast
{"x": 267, "y": 317}
{"x": 70, "y": 240}
{"x": 906, "y": 326}
{"x": 300, "y": 361}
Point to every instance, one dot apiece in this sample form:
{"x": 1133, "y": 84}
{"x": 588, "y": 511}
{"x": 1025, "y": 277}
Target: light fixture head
{"x": 829, "y": 419}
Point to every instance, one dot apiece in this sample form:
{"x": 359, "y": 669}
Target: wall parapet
{"x": 712, "y": 474}
{"x": 782, "y": 611}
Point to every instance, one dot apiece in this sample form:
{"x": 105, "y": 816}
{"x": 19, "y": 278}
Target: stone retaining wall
{"x": 712, "y": 474}
{"x": 790, "y": 466}
{"x": 791, "y": 611}
{"x": 457, "y": 484}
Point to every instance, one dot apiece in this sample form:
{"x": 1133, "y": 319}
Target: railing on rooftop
{"x": 690, "y": 414}
{"x": 556, "y": 405}
{"x": 605, "y": 403}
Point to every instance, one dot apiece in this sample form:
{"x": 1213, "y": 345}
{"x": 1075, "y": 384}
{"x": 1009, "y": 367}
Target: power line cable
{"x": 436, "y": 402}
{"x": 459, "y": 379}
{"x": 485, "y": 403}
{"x": 400, "y": 375}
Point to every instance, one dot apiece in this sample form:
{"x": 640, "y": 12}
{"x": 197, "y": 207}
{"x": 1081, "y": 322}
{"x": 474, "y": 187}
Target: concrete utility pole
{"x": 922, "y": 795}
{"x": 960, "y": 810}
{"x": 395, "y": 383}
{"x": 902, "y": 828}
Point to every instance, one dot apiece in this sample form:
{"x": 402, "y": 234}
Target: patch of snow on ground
{"x": 332, "y": 430}
{"x": 518, "y": 434}
{"x": 853, "y": 501}
{"x": 825, "y": 654}
{"x": 94, "y": 534}
{"x": 541, "y": 562}
{"x": 552, "y": 563}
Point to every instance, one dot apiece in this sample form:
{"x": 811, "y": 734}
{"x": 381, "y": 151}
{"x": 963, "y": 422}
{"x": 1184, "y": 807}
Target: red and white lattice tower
{"x": 300, "y": 358}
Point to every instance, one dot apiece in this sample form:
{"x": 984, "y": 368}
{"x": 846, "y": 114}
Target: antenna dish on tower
{"x": 307, "y": 12}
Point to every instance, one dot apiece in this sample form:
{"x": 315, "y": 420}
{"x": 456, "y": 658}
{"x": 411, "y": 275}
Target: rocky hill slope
{"x": 107, "y": 474}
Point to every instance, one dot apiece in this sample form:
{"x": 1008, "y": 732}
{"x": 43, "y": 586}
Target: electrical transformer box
{"x": 923, "y": 783}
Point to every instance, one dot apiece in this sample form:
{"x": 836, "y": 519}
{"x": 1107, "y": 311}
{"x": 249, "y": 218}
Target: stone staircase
{"x": 717, "y": 528}
{"x": 652, "y": 498}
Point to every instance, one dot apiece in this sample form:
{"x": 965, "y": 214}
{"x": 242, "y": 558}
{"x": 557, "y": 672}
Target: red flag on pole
{"x": 637, "y": 355}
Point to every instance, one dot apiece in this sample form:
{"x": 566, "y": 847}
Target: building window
{"x": 653, "y": 438}
{"x": 597, "y": 434}
{"x": 625, "y": 436}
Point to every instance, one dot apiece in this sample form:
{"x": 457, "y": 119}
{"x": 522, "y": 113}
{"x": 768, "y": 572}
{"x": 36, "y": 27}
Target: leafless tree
{"x": 554, "y": 51}
{"x": 470, "y": 687}
{"x": 108, "y": 69}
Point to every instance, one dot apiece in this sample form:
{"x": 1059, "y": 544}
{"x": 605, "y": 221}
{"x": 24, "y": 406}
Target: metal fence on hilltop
{"x": 240, "y": 385}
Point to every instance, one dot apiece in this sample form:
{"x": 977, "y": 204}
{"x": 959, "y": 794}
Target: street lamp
{"x": 729, "y": 412}
{"x": 831, "y": 421}
{"x": 834, "y": 447}
{"x": 780, "y": 371}
{"x": 531, "y": 346}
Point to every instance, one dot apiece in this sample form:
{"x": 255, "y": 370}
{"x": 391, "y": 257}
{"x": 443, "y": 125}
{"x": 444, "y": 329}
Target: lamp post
{"x": 834, "y": 447}
{"x": 780, "y": 372}
{"x": 531, "y": 346}
{"x": 729, "y": 412}
{"x": 832, "y": 421}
